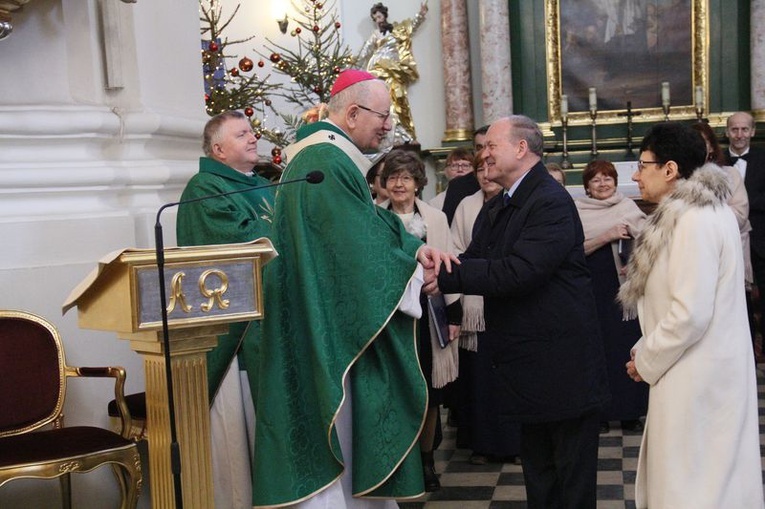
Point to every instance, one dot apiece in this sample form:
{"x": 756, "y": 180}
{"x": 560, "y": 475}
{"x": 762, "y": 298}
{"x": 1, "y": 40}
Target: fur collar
{"x": 708, "y": 186}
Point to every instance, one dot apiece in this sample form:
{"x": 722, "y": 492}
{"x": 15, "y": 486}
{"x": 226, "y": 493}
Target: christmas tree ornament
{"x": 277, "y": 159}
{"x": 249, "y": 111}
{"x": 298, "y": 30}
{"x": 276, "y": 151}
{"x": 337, "y": 24}
{"x": 234, "y": 72}
{"x": 275, "y": 57}
{"x": 261, "y": 63}
{"x": 316, "y": 28}
{"x": 213, "y": 46}
{"x": 245, "y": 64}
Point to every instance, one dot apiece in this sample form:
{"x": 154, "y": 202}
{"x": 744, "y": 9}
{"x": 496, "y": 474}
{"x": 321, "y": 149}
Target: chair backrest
{"x": 32, "y": 372}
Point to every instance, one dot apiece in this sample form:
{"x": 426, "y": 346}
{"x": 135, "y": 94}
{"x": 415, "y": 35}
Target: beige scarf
{"x": 598, "y": 216}
{"x": 445, "y": 360}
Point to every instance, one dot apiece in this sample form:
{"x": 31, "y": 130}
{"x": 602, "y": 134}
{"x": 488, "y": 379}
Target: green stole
{"x": 240, "y": 217}
{"x": 331, "y": 299}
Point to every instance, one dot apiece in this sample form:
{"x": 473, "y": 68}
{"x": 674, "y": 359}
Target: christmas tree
{"x": 235, "y": 88}
{"x": 312, "y": 67}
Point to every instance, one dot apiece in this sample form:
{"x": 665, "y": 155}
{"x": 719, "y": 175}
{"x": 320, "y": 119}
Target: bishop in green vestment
{"x": 333, "y": 334}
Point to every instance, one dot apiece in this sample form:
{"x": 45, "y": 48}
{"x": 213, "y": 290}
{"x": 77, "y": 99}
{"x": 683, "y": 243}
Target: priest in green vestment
{"x": 230, "y": 149}
{"x": 341, "y": 398}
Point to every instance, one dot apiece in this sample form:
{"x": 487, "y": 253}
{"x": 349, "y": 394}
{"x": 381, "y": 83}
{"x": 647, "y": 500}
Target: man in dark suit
{"x": 750, "y": 162}
{"x": 527, "y": 260}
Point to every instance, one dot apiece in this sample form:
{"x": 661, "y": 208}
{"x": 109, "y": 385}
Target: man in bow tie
{"x": 750, "y": 162}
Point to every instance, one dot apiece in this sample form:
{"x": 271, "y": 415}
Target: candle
{"x": 563, "y": 105}
{"x": 593, "y": 99}
{"x": 665, "y": 93}
{"x": 699, "y": 97}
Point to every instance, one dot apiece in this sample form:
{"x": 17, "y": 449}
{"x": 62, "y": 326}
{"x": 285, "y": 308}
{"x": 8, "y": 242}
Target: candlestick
{"x": 699, "y": 103}
{"x": 665, "y": 93}
{"x": 593, "y": 116}
{"x": 565, "y": 163}
{"x": 564, "y": 106}
{"x": 593, "y": 99}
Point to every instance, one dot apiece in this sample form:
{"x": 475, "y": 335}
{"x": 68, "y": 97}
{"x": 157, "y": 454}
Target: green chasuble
{"x": 240, "y": 217}
{"x": 331, "y": 299}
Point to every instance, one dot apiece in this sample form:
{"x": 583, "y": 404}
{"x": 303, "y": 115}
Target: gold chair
{"x": 32, "y": 392}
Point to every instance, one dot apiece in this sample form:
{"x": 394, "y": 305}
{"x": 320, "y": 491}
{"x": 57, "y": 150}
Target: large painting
{"x": 625, "y": 49}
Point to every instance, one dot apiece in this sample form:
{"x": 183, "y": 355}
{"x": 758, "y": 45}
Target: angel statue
{"x": 388, "y": 54}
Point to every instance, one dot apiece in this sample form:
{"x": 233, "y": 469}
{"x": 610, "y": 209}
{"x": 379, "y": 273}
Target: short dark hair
{"x": 399, "y": 160}
{"x": 481, "y": 130}
{"x": 673, "y": 141}
{"x": 379, "y": 7}
{"x": 709, "y": 135}
{"x": 596, "y": 166}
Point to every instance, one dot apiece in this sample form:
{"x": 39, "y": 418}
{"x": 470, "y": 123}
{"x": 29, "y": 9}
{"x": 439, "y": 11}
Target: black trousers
{"x": 560, "y": 462}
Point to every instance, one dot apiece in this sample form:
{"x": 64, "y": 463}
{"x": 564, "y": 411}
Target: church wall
{"x": 83, "y": 170}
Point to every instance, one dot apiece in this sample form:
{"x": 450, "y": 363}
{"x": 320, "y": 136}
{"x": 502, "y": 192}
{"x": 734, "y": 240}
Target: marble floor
{"x": 500, "y": 486}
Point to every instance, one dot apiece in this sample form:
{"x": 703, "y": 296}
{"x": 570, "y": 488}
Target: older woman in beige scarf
{"x": 610, "y": 222}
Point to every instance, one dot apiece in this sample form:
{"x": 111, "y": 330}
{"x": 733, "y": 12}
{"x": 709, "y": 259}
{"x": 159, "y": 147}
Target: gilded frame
{"x": 699, "y": 69}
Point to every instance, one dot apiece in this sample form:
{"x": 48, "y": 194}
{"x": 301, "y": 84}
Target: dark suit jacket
{"x": 527, "y": 260}
{"x": 459, "y": 188}
{"x": 754, "y": 181}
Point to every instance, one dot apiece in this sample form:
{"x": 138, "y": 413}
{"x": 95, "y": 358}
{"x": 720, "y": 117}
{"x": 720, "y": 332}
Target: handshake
{"x": 432, "y": 260}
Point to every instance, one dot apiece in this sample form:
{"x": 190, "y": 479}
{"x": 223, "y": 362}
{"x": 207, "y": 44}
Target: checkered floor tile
{"x": 500, "y": 486}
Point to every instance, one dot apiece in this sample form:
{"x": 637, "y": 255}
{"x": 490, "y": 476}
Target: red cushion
{"x": 42, "y": 446}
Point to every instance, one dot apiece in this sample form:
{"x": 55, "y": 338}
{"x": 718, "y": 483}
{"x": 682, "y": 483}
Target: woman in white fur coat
{"x": 685, "y": 280}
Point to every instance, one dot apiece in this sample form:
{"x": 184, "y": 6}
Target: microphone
{"x": 314, "y": 177}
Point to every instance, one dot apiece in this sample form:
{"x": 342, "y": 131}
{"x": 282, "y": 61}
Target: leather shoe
{"x": 431, "y": 478}
{"x": 635, "y": 425}
{"x": 478, "y": 459}
{"x": 604, "y": 427}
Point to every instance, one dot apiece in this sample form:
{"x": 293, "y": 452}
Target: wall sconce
{"x": 279, "y": 10}
{"x": 6, "y": 8}
{"x": 283, "y": 24}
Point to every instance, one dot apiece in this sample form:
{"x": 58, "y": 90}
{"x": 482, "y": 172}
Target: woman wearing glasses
{"x": 610, "y": 221}
{"x": 459, "y": 162}
{"x": 403, "y": 176}
{"x": 685, "y": 281}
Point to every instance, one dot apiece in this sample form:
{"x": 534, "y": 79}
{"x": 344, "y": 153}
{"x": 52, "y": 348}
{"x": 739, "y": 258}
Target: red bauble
{"x": 319, "y": 6}
{"x": 213, "y": 46}
{"x": 337, "y": 24}
{"x": 277, "y": 159}
{"x": 257, "y": 136}
{"x": 245, "y": 64}
{"x": 275, "y": 57}
{"x": 298, "y": 30}
{"x": 276, "y": 151}
{"x": 234, "y": 71}
{"x": 336, "y": 70}
{"x": 261, "y": 63}
{"x": 207, "y": 97}
{"x": 249, "y": 111}
{"x": 316, "y": 28}
{"x": 318, "y": 90}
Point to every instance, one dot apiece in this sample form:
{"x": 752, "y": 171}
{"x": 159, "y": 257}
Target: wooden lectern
{"x": 208, "y": 287}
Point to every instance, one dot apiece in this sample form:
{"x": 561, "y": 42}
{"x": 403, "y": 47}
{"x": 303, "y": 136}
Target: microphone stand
{"x": 313, "y": 177}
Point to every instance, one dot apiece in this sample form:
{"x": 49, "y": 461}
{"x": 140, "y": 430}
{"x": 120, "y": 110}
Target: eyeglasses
{"x": 461, "y": 166}
{"x": 404, "y": 178}
{"x": 381, "y": 116}
{"x": 641, "y": 164}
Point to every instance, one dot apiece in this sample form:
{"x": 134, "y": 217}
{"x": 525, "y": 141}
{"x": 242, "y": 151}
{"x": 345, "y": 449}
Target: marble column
{"x": 456, "y": 58}
{"x": 758, "y": 54}
{"x": 496, "y": 74}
